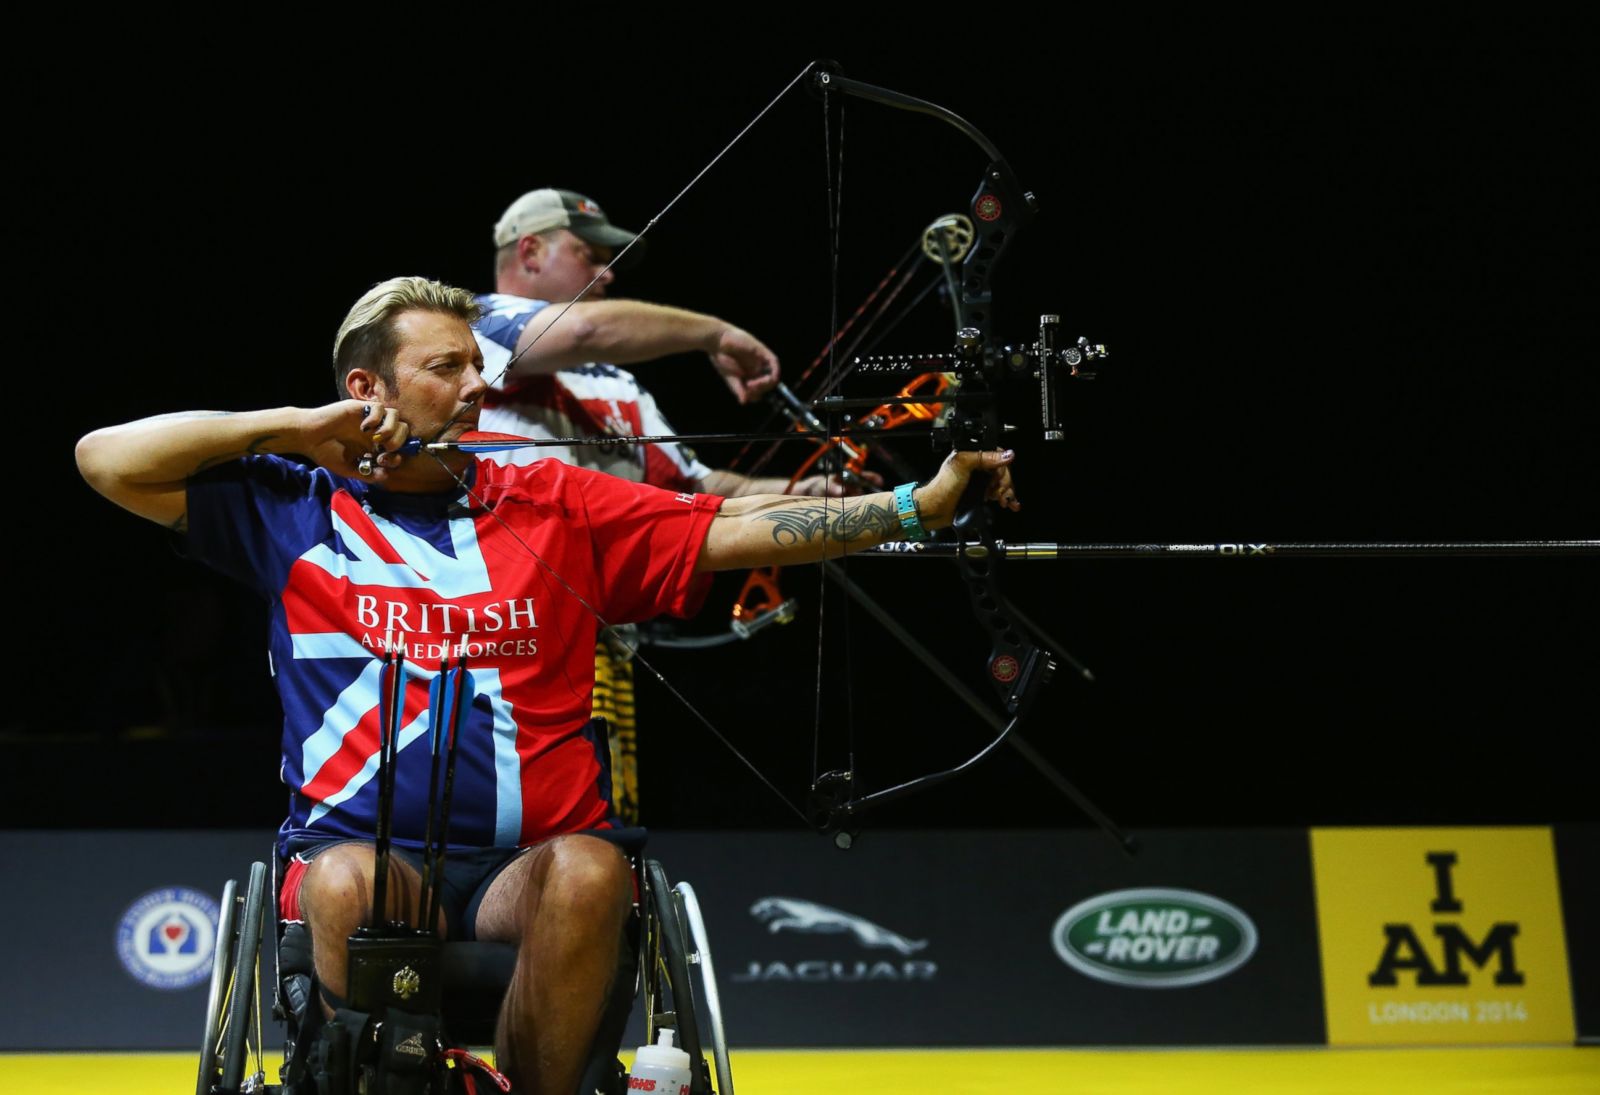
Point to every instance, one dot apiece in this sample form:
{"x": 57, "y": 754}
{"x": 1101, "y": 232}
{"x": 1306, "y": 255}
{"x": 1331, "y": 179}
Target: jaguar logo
{"x": 809, "y": 918}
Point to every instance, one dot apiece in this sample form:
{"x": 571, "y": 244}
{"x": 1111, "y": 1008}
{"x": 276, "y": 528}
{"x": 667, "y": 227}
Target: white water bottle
{"x": 661, "y": 1069}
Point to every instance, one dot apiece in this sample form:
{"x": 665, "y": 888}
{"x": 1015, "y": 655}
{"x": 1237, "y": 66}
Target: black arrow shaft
{"x": 1329, "y": 550}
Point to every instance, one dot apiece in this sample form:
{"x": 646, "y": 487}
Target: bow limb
{"x": 1003, "y": 729}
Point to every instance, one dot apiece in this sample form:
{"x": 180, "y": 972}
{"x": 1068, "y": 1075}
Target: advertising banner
{"x": 1019, "y": 938}
{"x": 1441, "y": 936}
{"x": 911, "y": 938}
{"x": 106, "y": 937}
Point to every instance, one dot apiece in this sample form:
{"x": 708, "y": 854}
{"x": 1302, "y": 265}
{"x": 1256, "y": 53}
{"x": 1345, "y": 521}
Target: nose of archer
{"x": 472, "y": 384}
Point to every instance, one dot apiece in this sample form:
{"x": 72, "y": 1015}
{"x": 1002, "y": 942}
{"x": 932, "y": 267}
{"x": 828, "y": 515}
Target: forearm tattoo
{"x": 796, "y": 524}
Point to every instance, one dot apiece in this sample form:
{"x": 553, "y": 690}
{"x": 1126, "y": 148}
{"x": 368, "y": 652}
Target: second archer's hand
{"x": 746, "y": 365}
{"x": 937, "y": 499}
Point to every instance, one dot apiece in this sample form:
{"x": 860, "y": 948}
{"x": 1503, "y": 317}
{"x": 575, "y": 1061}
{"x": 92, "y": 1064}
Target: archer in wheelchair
{"x": 364, "y": 543}
{"x": 395, "y": 1010}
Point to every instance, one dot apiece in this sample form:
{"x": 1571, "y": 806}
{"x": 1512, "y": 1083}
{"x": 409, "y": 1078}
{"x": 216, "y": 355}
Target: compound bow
{"x": 1019, "y": 663}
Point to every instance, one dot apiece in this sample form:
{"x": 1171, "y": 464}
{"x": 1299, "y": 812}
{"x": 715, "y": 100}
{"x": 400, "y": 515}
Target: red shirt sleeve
{"x": 646, "y": 543}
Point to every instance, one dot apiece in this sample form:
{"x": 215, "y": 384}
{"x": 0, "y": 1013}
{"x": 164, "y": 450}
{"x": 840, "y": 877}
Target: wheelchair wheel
{"x": 233, "y": 1020}
{"x": 700, "y": 956}
{"x": 669, "y": 991}
{"x": 221, "y": 963}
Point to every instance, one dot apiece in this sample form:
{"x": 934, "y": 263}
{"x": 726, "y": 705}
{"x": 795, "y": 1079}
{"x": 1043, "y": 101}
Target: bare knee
{"x": 587, "y": 880}
{"x": 336, "y": 892}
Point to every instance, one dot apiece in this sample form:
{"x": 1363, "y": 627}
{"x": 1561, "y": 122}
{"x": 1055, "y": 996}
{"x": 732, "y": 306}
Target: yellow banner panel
{"x": 1441, "y": 936}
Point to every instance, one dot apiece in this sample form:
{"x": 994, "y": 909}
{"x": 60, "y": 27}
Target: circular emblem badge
{"x": 166, "y": 937}
{"x": 988, "y": 208}
{"x": 1154, "y": 938}
{"x": 1004, "y": 669}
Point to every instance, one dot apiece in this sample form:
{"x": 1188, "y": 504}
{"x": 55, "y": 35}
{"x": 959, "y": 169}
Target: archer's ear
{"x": 362, "y": 384}
{"x": 531, "y": 251}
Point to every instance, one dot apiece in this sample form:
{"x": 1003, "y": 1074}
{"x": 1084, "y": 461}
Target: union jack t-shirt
{"x": 349, "y": 568}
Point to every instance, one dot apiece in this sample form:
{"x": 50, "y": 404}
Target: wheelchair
{"x": 669, "y": 954}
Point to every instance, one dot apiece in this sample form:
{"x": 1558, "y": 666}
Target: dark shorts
{"x": 466, "y": 879}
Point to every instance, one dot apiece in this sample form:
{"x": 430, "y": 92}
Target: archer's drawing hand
{"x": 355, "y": 437}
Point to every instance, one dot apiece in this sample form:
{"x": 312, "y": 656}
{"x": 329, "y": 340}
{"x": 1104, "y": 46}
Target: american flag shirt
{"x": 589, "y": 401}
{"x": 348, "y": 567}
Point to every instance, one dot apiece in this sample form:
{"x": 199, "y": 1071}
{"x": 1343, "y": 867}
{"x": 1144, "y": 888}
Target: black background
{"x": 1578, "y": 861}
{"x": 1346, "y": 272}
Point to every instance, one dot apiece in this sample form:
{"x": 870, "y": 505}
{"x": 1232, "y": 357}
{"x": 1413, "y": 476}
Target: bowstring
{"x": 833, "y": 170}
{"x": 822, "y": 571}
{"x": 838, "y": 454}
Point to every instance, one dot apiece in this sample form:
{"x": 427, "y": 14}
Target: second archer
{"x": 552, "y": 369}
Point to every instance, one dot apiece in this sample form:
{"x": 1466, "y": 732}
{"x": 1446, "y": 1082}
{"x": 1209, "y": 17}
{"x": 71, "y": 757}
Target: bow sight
{"x": 982, "y": 371}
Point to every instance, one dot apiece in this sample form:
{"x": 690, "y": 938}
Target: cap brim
{"x": 609, "y": 235}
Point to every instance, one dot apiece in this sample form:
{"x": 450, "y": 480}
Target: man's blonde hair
{"x": 367, "y": 338}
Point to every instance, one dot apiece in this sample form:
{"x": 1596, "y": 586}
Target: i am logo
{"x": 1403, "y": 951}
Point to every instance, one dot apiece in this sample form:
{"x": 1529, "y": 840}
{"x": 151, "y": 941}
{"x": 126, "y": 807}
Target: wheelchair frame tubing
{"x": 243, "y": 1004}
{"x": 221, "y": 955}
{"x": 669, "y": 947}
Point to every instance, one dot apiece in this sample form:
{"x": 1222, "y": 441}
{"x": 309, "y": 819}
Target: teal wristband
{"x": 905, "y": 506}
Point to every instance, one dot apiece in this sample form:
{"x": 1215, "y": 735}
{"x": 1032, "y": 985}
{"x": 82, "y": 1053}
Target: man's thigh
{"x": 591, "y": 868}
{"x": 343, "y": 873}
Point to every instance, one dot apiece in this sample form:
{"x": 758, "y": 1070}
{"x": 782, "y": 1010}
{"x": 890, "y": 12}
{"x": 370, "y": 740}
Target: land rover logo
{"x": 1154, "y": 938}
